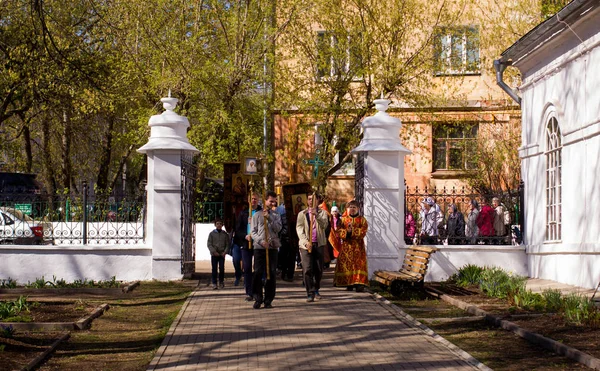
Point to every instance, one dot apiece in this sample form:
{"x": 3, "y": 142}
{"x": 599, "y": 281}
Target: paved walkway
{"x": 218, "y": 330}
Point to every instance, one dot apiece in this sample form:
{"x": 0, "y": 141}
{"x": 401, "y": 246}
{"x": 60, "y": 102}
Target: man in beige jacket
{"x": 312, "y": 244}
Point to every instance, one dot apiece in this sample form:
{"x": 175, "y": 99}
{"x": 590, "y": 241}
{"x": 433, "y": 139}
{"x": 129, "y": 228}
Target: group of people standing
{"x": 260, "y": 238}
{"x": 481, "y": 221}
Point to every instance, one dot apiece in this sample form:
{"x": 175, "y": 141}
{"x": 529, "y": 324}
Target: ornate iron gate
{"x": 359, "y": 181}
{"x": 188, "y": 225}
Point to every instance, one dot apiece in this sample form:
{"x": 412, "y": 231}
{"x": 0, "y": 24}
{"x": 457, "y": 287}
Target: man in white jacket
{"x": 312, "y": 244}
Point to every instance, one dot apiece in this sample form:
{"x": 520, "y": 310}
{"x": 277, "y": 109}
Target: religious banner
{"x": 232, "y": 201}
{"x": 252, "y": 165}
{"x": 294, "y": 196}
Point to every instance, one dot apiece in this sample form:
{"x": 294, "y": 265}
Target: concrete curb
{"x": 547, "y": 343}
{"x": 70, "y": 291}
{"x": 80, "y": 324}
{"x": 39, "y": 359}
{"x": 432, "y": 320}
{"x": 412, "y": 322}
{"x": 163, "y": 346}
{"x": 64, "y": 291}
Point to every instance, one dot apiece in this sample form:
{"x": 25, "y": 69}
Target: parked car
{"x": 47, "y": 230}
{"x": 19, "y": 231}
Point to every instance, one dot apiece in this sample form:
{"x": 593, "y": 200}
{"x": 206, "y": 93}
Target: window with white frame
{"x": 337, "y": 56}
{"x": 456, "y": 50}
{"x": 553, "y": 180}
{"x": 455, "y": 146}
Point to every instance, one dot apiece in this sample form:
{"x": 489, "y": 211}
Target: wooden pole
{"x": 266, "y": 225}
{"x": 250, "y": 211}
{"x": 312, "y": 222}
{"x": 595, "y": 291}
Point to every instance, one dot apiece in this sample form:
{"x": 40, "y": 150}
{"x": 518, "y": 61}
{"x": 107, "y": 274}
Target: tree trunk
{"x": 105, "y": 155}
{"x": 48, "y": 169}
{"x": 66, "y": 153}
{"x": 27, "y": 144}
{"x": 121, "y": 169}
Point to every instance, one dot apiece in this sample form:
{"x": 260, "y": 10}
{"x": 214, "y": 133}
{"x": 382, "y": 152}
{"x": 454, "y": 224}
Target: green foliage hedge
{"x": 496, "y": 282}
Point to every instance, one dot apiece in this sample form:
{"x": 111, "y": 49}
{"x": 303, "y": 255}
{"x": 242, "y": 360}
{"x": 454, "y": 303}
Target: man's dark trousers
{"x": 247, "y": 267}
{"x": 312, "y": 268}
{"x": 287, "y": 256}
{"x": 217, "y": 261}
{"x": 260, "y": 263}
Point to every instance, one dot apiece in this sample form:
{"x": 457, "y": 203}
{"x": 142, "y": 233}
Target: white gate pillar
{"x": 164, "y": 149}
{"x": 383, "y": 188}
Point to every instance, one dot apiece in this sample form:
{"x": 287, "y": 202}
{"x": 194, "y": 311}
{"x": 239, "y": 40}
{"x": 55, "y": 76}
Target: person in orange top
{"x": 334, "y": 239}
{"x": 328, "y": 251}
{"x": 351, "y": 268}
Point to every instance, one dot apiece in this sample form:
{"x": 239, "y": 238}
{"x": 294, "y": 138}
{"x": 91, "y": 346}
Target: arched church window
{"x": 553, "y": 180}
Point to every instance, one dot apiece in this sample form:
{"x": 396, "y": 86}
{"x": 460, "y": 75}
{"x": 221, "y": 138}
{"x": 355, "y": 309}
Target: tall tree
{"x": 502, "y": 24}
{"x": 94, "y": 65}
{"x": 337, "y": 57}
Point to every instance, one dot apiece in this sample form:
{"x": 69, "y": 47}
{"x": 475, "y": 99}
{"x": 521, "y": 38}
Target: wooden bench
{"x": 412, "y": 273}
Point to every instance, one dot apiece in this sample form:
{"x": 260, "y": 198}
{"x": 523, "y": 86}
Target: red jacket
{"x": 485, "y": 221}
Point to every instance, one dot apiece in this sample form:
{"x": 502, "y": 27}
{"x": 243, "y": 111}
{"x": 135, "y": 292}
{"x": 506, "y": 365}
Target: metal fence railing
{"x": 72, "y": 220}
{"x": 206, "y": 212}
{"x": 443, "y": 198}
{"x": 90, "y": 219}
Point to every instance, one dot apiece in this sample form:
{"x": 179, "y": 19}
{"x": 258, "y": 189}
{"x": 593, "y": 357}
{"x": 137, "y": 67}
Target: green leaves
{"x": 495, "y": 282}
{"x": 85, "y": 72}
{"x": 468, "y": 275}
{"x": 12, "y": 308}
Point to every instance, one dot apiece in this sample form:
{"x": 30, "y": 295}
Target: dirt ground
{"x": 552, "y": 326}
{"x": 123, "y": 338}
{"x": 497, "y": 348}
{"x": 23, "y": 347}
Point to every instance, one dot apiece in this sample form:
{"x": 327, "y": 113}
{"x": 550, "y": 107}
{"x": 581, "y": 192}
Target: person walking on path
{"x": 218, "y": 245}
{"x": 328, "y": 250}
{"x": 266, "y": 245}
{"x": 243, "y": 239}
{"x": 335, "y": 222}
{"x": 351, "y": 268}
{"x": 287, "y": 254}
{"x": 283, "y": 236}
{"x": 312, "y": 240}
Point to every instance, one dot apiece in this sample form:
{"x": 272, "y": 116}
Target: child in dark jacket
{"x": 218, "y": 245}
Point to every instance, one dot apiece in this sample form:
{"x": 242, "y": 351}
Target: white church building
{"x": 559, "y": 61}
